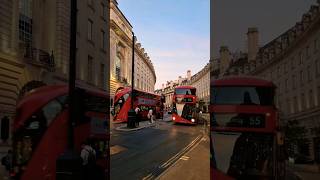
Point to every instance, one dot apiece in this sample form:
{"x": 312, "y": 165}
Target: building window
{"x": 295, "y": 104}
{"x": 90, "y": 25}
{"x": 90, "y": 61}
{"x": 301, "y": 77}
{"x": 103, "y": 11}
{"x": 292, "y": 63}
{"x": 293, "y": 81}
{"x": 286, "y": 84}
{"x": 317, "y": 67}
{"x": 311, "y": 100}
{"x": 318, "y": 95}
{"x": 288, "y": 106}
{"x": 285, "y": 67}
{"x": 303, "y": 102}
{"x": 309, "y": 73}
{"x": 25, "y": 20}
{"x": 118, "y": 67}
{"x": 300, "y": 58}
{"x": 307, "y": 52}
{"x": 103, "y": 40}
{"x": 90, "y": 3}
{"x": 102, "y": 69}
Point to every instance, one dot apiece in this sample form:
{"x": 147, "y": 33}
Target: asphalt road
{"x": 148, "y": 152}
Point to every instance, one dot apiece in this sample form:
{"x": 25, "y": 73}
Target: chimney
{"x": 225, "y": 58}
{"x": 179, "y": 80}
{"x": 253, "y": 43}
{"x": 162, "y": 86}
{"x": 189, "y": 75}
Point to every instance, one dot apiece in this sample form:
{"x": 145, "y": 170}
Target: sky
{"x": 174, "y": 33}
{"x": 231, "y": 19}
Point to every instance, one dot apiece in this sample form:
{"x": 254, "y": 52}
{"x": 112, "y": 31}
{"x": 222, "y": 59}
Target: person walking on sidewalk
{"x": 150, "y": 115}
{"x": 88, "y": 155}
{"x": 138, "y": 117}
{"x": 6, "y": 161}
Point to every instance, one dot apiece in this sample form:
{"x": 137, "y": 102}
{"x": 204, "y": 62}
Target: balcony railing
{"x": 40, "y": 57}
{"x": 122, "y": 80}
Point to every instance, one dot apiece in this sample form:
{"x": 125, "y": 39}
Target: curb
{"x": 124, "y": 128}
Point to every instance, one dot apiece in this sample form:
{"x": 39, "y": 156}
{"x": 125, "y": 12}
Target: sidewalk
{"x": 306, "y": 171}
{"x": 194, "y": 165}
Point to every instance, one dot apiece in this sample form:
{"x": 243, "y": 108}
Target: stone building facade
{"x": 121, "y": 55}
{"x": 201, "y": 81}
{"x": 292, "y": 62}
{"x": 34, "y": 50}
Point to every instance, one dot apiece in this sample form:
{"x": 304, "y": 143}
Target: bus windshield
{"x": 242, "y": 96}
{"x": 185, "y": 91}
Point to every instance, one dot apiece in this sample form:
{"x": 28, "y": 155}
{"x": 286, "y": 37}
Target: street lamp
{"x": 131, "y": 113}
{"x": 69, "y": 164}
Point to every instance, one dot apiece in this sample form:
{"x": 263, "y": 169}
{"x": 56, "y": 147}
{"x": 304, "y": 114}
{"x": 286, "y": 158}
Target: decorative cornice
{"x": 283, "y": 45}
{"x": 141, "y": 52}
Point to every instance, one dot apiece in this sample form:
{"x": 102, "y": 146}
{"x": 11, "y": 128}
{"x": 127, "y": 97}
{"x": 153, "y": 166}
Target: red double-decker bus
{"x": 245, "y": 139}
{"x": 40, "y": 130}
{"x": 184, "y": 102}
{"x": 143, "y": 100}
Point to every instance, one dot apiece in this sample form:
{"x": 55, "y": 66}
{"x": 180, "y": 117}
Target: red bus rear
{"x": 184, "y": 105}
{"x": 143, "y": 100}
{"x": 244, "y": 130}
{"x": 40, "y": 130}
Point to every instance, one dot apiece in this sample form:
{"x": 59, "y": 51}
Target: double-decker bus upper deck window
{"x": 185, "y": 91}
{"x": 242, "y": 95}
{"x": 29, "y": 135}
{"x": 119, "y": 103}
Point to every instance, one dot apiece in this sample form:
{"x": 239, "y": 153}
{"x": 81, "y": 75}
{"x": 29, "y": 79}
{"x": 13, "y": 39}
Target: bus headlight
{"x": 173, "y": 118}
{"x": 192, "y": 120}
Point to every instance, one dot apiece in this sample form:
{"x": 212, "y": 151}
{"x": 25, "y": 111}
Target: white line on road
{"x": 175, "y": 158}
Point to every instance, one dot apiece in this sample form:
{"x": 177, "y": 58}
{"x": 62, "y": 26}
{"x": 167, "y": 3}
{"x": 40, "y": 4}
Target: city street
{"x": 148, "y": 152}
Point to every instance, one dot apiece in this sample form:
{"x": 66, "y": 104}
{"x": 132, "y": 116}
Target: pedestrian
{"x": 137, "y": 110}
{"x": 150, "y": 115}
{"x": 138, "y": 117}
{"x": 88, "y": 155}
{"x": 6, "y": 161}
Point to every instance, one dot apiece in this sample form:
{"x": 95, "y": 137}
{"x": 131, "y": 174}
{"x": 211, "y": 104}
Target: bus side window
{"x": 51, "y": 110}
{"x": 125, "y": 97}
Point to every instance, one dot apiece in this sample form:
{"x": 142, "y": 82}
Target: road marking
{"x": 181, "y": 152}
{"x": 175, "y": 158}
{"x": 185, "y": 158}
{"x": 116, "y": 149}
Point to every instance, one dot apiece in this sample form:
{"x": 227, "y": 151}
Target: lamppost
{"x": 69, "y": 164}
{"x": 131, "y": 113}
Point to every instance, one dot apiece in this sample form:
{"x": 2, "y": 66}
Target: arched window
{"x": 118, "y": 66}
{"x": 118, "y": 60}
{"x": 25, "y": 20}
